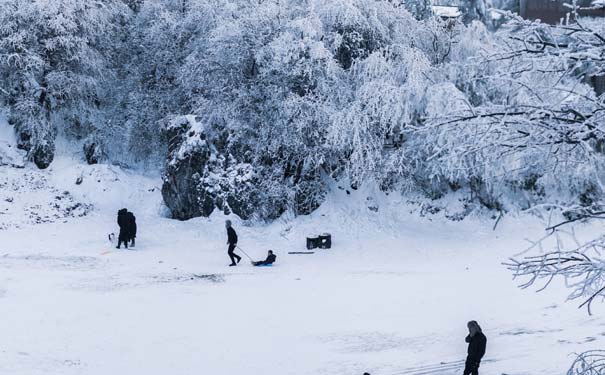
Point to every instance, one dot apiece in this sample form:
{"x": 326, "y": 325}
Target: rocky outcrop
{"x": 92, "y": 151}
{"x": 40, "y": 148}
{"x": 43, "y": 154}
{"x": 188, "y": 154}
{"x": 205, "y": 172}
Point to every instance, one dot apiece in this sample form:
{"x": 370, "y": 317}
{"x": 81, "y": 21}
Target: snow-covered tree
{"x": 55, "y": 57}
{"x": 519, "y": 103}
{"x": 161, "y": 37}
{"x": 574, "y": 126}
{"x": 421, "y": 9}
{"x": 474, "y": 10}
{"x": 290, "y": 93}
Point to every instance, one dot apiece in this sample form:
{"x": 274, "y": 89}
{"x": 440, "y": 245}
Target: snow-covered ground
{"x": 392, "y": 296}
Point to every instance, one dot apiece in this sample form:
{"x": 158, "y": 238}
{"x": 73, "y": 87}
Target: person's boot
{"x": 132, "y": 244}
{"x": 238, "y": 259}
{"x": 232, "y": 264}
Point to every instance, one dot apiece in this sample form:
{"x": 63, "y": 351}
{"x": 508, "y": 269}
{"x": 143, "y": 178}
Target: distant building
{"x": 446, "y": 12}
{"x": 553, "y": 11}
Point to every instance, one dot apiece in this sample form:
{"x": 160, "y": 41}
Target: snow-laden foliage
{"x": 56, "y": 68}
{"x": 523, "y": 116}
{"x": 291, "y": 94}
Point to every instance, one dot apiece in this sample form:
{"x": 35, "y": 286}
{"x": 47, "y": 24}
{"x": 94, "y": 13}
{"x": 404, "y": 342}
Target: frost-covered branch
{"x": 589, "y": 363}
{"x": 582, "y": 269}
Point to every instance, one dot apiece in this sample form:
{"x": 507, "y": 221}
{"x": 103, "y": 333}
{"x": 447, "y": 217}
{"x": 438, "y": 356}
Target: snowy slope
{"x": 391, "y": 297}
{"x": 9, "y": 154}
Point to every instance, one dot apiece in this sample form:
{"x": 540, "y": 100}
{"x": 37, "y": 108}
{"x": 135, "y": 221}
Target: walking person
{"x": 232, "y": 242}
{"x": 476, "y": 348}
{"x": 123, "y": 237}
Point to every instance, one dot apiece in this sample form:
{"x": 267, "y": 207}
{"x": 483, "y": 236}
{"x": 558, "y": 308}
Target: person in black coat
{"x": 232, "y": 242}
{"x": 131, "y": 224}
{"x": 476, "y": 348}
{"x": 123, "y": 224}
{"x": 267, "y": 262}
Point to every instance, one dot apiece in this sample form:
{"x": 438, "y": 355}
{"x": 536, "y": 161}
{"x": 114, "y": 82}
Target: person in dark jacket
{"x": 476, "y": 348}
{"x": 131, "y": 224}
{"x": 232, "y": 242}
{"x": 123, "y": 224}
{"x": 267, "y": 262}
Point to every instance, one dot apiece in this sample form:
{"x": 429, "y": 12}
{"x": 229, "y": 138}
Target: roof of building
{"x": 446, "y": 11}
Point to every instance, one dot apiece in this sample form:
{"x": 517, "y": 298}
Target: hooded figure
{"x": 123, "y": 223}
{"x": 267, "y": 262}
{"x": 131, "y": 224}
{"x": 476, "y": 348}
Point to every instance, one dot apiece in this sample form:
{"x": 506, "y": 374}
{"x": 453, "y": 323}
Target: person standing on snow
{"x": 232, "y": 242}
{"x": 131, "y": 223}
{"x": 123, "y": 224}
{"x": 476, "y": 348}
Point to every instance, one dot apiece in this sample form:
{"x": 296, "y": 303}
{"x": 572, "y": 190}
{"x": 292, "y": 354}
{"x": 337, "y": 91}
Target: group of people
{"x": 128, "y": 228}
{"x": 477, "y": 343}
{"x": 128, "y": 233}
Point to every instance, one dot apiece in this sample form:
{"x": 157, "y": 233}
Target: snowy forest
{"x": 252, "y": 107}
{"x": 401, "y": 130}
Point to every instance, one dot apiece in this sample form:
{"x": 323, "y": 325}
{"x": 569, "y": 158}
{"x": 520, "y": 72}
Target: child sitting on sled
{"x": 267, "y": 262}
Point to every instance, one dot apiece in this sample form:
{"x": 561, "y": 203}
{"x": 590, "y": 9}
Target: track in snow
{"x": 442, "y": 368}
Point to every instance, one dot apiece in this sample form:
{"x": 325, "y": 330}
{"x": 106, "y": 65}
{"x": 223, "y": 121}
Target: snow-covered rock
{"x": 206, "y": 169}
{"x": 189, "y": 153}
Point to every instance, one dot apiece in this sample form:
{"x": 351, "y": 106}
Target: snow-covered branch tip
{"x": 582, "y": 269}
{"x": 588, "y": 214}
{"x": 589, "y": 363}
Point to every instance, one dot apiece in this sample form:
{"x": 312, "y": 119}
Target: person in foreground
{"x": 476, "y": 348}
{"x": 267, "y": 262}
{"x": 232, "y": 242}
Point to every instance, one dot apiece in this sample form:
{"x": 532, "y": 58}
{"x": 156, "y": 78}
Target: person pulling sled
{"x": 232, "y": 243}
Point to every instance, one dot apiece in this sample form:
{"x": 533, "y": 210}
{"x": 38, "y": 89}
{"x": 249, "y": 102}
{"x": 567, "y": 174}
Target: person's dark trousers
{"x": 233, "y": 255}
{"x": 471, "y": 368}
{"x": 122, "y": 240}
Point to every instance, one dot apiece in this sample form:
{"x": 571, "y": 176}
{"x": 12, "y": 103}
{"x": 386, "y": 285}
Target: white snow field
{"x": 391, "y": 297}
